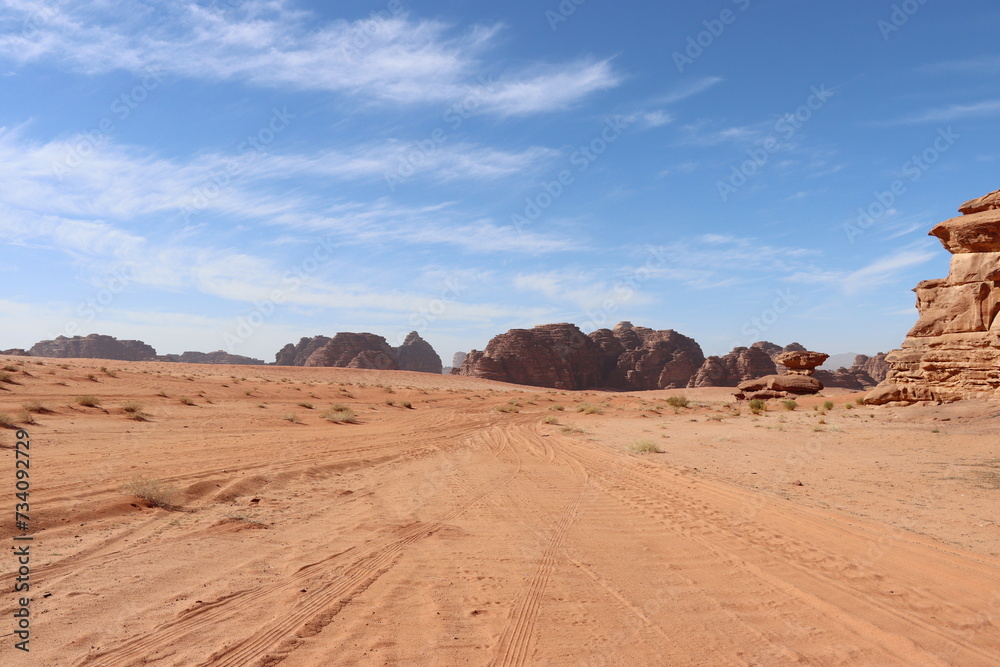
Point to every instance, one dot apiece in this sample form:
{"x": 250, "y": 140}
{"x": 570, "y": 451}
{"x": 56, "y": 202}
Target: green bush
{"x": 789, "y": 405}
{"x": 680, "y": 401}
{"x": 757, "y": 406}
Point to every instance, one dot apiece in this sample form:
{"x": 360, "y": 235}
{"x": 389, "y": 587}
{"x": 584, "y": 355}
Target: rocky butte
{"x": 361, "y": 350}
{"x": 94, "y": 346}
{"x": 953, "y": 352}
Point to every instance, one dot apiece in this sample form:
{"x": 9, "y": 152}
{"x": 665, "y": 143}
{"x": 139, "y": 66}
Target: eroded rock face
{"x": 296, "y": 354}
{"x": 94, "y": 346}
{"x": 876, "y": 367}
{"x": 355, "y": 350}
{"x": 743, "y": 363}
{"x": 562, "y": 357}
{"x": 16, "y": 352}
{"x": 953, "y": 352}
{"x": 550, "y": 355}
{"x": 217, "y": 357}
{"x": 801, "y": 362}
{"x": 416, "y": 354}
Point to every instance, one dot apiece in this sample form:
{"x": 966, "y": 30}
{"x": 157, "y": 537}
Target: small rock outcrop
{"x": 953, "y": 351}
{"x": 740, "y": 365}
{"x": 217, "y": 357}
{"x": 16, "y": 352}
{"x": 296, "y": 354}
{"x": 801, "y": 362}
{"x": 355, "y": 350}
{"x": 797, "y": 378}
{"x": 93, "y": 346}
{"x": 416, "y": 354}
{"x": 550, "y": 355}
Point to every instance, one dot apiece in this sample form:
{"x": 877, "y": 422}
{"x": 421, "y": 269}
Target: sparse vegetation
{"x": 6, "y": 421}
{"x": 37, "y": 407}
{"x": 292, "y": 417}
{"x": 680, "y": 401}
{"x": 133, "y": 406}
{"x": 88, "y": 401}
{"x": 757, "y": 406}
{"x": 11, "y": 368}
{"x": 644, "y": 446}
{"x": 110, "y": 372}
{"x": 305, "y": 404}
{"x": 186, "y": 400}
{"x": 789, "y": 405}
{"x": 162, "y": 394}
{"x": 390, "y": 402}
{"x": 570, "y": 430}
{"x": 407, "y": 404}
{"x": 590, "y": 409}
{"x": 340, "y": 414}
{"x": 551, "y": 419}
{"x": 860, "y": 400}
{"x": 507, "y": 408}
{"x": 828, "y": 405}
{"x": 848, "y": 406}
{"x": 6, "y": 377}
{"x": 557, "y": 408}
{"x": 92, "y": 377}
{"x": 153, "y": 491}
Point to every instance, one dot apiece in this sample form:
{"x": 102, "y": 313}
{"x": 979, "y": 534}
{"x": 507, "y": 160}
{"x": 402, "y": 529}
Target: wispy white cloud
{"x": 395, "y": 59}
{"x": 954, "y": 112}
{"x": 987, "y": 64}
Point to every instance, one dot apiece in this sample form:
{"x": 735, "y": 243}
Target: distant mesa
{"x": 94, "y": 346}
{"x": 361, "y": 350}
{"x": 217, "y": 357}
{"x": 953, "y": 351}
{"x": 16, "y": 352}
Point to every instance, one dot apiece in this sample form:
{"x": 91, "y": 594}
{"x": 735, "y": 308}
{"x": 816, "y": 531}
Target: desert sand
{"x": 467, "y": 530}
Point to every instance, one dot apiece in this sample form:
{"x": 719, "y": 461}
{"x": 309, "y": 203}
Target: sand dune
{"x": 464, "y": 530}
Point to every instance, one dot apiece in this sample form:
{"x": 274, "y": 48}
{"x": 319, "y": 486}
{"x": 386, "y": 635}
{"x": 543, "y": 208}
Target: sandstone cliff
{"x": 953, "y": 351}
{"x": 740, "y": 365}
{"x": 416, "y": 354}
{"x": 94, "y": 346}
{"x": 354, "y": 350}
{"x": 296, "y": 354}
{"x": 217, "y": 357}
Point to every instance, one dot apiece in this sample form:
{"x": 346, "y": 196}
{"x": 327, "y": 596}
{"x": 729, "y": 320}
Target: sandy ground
{"x": 468, "y": 530}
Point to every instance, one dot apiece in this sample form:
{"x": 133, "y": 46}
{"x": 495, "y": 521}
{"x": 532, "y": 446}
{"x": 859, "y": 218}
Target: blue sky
{"x": 237, "y": 174}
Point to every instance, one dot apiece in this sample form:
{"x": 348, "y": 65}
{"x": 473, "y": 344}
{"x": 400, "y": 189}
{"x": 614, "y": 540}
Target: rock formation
{"x": 354, "y": 350}
{"x": 296, "y": 354}
{"x": 16, "y": 352}
{"x": 800, "y": 366}
{"x": 550, "y": 355}
{"x": 876, "y": 367}
{"x": 740, "y": 365}
{"x": 561, "y": 356}
{"x": 217, "y": 357}
{"x": 864, "y": 373}
{"x": 94, "y": 346}
{"x": 416, "y": 354}
{"x": 953, "y": 351}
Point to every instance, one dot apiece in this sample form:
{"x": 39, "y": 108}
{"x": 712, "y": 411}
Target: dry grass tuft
{"x": 88, "y": 401}
{"x": 153, "y": 491}
{"x": 645, "y": 446}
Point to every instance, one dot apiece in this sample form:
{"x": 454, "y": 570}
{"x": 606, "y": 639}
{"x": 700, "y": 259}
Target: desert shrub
{"x": 110, "y": 372}
{"x": 568, "y": 430}
{"x": 162, "y": 394}
{"x": 550, "y": 420}
{"x": 828, "y": 405}
{"x": 390, "y": 402}
{"x": 644, "y": 446}
{"x": 292, "y": 417}
{"x": 11, "y": 367}
{"x": 678, "y": 401}
{"x": 306, "y": 405}
{"x": 6, "y": 421}
{"x": 860, "y": 400}
{"x": 507, "y": 408}
{"x": 92, "y": 377}
{"x": 789, "y": 405}
{"x": 186, "y": 400}
{"x": 340, "y": 414}
{"x": 153, "y": 491}
{"x": 36, "y": 406}
{"x": 715, "y": 418}
{"x": 407, "y": 404}
{"x": 557, "y": 408}
{"x": 88, "y": 401}
{"x": 389, "y": 390}
{"x": 589, "y": 409}
{"x": 757, "y": 406}
{"x": 6, "y": 377}
{"x": 133, "y": 406}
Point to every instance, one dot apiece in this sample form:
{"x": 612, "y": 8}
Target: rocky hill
{"x": 94, "y": 346}
{"x": 217, "y": 357}
{"x": 953, "y": 351}
{"x": 361, "y": 350}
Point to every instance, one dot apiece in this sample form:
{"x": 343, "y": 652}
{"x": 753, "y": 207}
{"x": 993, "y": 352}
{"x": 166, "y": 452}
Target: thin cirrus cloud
{"x": 395, "y": 59}
{"x": 954, "y": 112}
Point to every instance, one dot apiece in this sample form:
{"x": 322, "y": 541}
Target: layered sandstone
{"x": 295, "y": 354}
{"x": 796, "y": 379}
{"x": 93, "y": 346}
{"x": 953, "y": 351}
